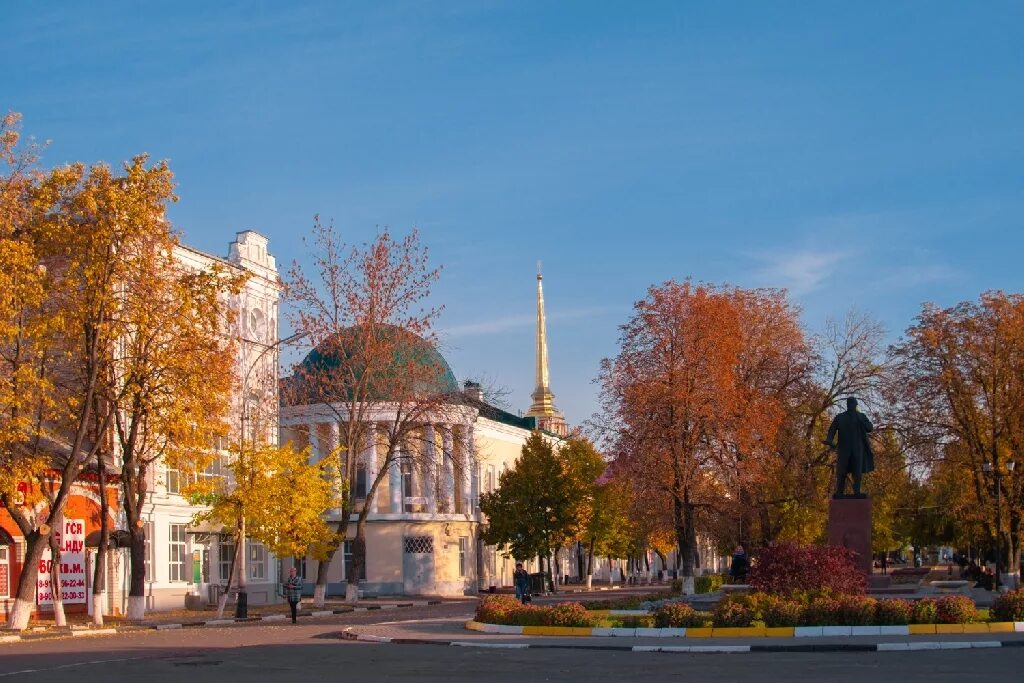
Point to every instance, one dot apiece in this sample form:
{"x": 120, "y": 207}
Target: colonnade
{"x": 432, "y": 475}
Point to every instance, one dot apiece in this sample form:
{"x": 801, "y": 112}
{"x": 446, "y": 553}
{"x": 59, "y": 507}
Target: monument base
{"x": 849, "y": 526}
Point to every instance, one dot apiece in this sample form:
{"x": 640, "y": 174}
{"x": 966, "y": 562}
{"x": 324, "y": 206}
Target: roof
{"x": 322, "y": 376}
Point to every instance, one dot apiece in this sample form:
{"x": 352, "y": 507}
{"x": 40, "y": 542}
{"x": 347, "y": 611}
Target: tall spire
{"x": 543, "y": 408}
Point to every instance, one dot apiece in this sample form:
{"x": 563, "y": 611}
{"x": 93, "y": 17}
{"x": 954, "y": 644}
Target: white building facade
{"x": 187, "y": 565}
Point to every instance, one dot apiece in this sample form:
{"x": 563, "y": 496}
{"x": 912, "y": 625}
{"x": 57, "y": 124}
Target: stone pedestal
{"x": 849, "y": 525}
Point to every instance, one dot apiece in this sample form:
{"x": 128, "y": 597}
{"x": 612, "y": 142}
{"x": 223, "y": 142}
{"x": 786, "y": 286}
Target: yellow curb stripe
{"x": 737, "y": 632}
{"x": 698, "y": 632}
{"x": 949, "y": 628}
{"x": 557, "y": 631}
{"x": 474, "y": 626}
{"x": 922, "y": 629}
{"x": 780, "y": 632}
{"x": 976, "y": 628}
{"x": 1001, "y": 627}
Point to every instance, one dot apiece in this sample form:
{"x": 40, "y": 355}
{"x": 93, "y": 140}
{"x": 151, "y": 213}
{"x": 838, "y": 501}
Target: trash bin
{"x": 537, "y": 583}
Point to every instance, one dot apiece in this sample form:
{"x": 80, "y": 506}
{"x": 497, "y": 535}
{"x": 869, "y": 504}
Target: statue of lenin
{"x": 855, "y": 457}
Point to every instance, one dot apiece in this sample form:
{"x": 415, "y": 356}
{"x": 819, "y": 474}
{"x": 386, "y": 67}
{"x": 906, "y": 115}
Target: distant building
{"x": 424, "y": 520}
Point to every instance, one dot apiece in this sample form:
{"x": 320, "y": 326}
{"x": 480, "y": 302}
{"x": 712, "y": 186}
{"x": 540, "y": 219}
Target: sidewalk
{"x": 199, "y": 618}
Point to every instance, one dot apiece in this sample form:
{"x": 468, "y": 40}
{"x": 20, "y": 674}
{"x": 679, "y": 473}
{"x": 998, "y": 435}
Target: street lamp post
{"x": 998, "y": 476}
{"x": 242, "y": 604}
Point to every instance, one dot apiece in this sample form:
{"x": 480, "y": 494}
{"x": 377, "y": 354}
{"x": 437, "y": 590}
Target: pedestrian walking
{"x": 740, "y": 565}
{"x": 521, "y": 581}
{"x": 293, "y": 591}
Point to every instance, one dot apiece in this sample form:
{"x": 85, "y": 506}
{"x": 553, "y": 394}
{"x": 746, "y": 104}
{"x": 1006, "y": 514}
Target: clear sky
{"x": 861, "y": 154}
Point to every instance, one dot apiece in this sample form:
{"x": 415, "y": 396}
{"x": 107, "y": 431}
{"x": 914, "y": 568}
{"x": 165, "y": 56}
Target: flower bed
{"x": 808, "y": 609}
{"x": 506, "y": 610}
{"x": 1009, "y": 606}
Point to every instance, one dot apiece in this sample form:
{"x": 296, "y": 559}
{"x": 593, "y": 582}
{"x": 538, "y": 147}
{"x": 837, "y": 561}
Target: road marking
{"x": 496, "y": 646}
{"x": 69, "y": 666}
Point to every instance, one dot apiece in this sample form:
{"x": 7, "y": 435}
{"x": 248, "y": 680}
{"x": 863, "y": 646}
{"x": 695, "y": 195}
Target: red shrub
{"x": 567, "y": 614}
{"x": 893, "y": 612}
{"x": 856, "y": 610}
{"x": 728, "y": 613}
{"x": 678, "y": 615}
{"x": 498, "y": 609}
{"x": 955, "y": 609}
{"x": 823, "y": 611}
{"x": 781, "y": 612}
{"x": 1009, "y": 606}
{"x": 787, "y": 568}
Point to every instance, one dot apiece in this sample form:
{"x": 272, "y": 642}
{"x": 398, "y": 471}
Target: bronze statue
{"x": 854, "y": 455}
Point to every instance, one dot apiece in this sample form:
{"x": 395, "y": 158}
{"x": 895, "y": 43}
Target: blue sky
{"x": 866, "y": 155}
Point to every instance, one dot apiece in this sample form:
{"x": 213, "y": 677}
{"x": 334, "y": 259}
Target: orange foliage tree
{"x": 960, "y": 390}
{"x": 374, "y": 367}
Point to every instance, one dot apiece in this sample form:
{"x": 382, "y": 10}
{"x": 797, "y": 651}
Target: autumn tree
{"x": 280, "y": 493}
{"x": 846, "y": 359}
{"x": 172, "y": 369}
{"x": 81, "y": 296}
{"x": 374, "y": 367}
{"x": 545, "y": 500}
{"x": 27, "y": 326}
{"x": 960, "y": 388}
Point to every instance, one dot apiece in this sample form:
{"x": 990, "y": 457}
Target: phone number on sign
{"x": 64, "y": 595}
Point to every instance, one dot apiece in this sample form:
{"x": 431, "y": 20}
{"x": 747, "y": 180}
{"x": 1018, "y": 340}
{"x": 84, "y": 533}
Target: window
{"x": 346, "y": 553}
{"x": 176, "y": 553}
{"x": 463, "y": 551}
{"x": 361, "y": 484}
{"x": 407, "y": 485}
{"x": 173, "y": 480}
{"x": 300, "y": 565}
{"x": 148, "y": 531}
{"x": 489, "y": 484}
{"x": 225, "y": 555}
{"x": 419, "y": 544}
{"x": 257, "y": 560}
{"x": 5, "y": 571}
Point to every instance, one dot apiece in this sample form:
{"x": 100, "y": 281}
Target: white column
{"x": 468, "y": 485}
{"x": 448, "y": 488}
{"x": 395, "y": 484}
{"x": 430, "y": 468}
{"x": 314, "y": 442}
{"x": 369, "y": 457}
{"x": 334, "y": 438}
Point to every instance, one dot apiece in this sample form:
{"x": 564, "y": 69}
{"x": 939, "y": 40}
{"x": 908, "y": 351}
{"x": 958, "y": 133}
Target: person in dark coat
{"x": 855, "y": 457}
{"x": 740, "y": 565}
{"x": 521, "y": 580}
{"x": 292, "y": 589}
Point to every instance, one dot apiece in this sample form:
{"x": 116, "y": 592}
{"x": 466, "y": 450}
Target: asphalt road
{"x": 312, "y": 651}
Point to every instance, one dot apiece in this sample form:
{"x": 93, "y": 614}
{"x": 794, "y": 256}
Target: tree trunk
{"x": 222, "y": 602}
{"x": 137, "y": 575}
{"x": 25, "y": 599}
{"x": 686, "y": 536}
{"x": 55, "y": 582}
{"x": 590, "y": 563}
{"x": 322, "y": 566}
{"x": 99, "y": 575}
{"x": 358, "y": 562}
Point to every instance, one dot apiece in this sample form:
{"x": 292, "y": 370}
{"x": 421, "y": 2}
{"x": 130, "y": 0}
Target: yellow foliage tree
{"x": 282, "y": 496}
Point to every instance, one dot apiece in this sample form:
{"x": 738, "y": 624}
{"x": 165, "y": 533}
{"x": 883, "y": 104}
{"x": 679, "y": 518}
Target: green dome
{"x": 324, "y": 375}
